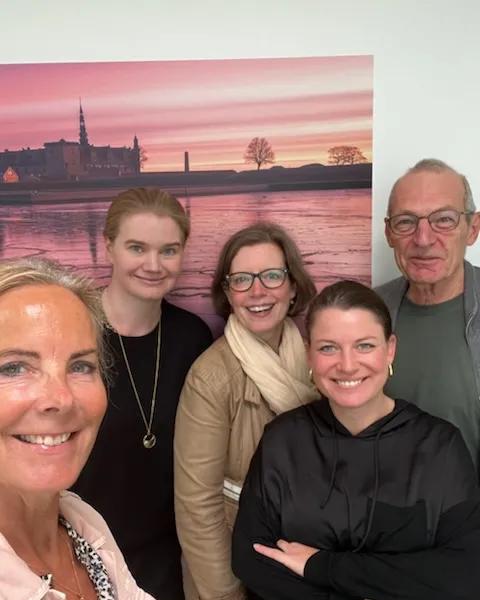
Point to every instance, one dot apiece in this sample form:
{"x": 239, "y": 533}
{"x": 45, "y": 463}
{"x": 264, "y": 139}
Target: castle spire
{"x": 83, "y": 136}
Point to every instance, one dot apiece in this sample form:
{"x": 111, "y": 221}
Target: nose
{"x": 153, "y": 262}
{"x": 347, "y": 362}
{"x": 56, "y": 395}
{"x": 424, "y": 235}
{"x": 257, "y": 289}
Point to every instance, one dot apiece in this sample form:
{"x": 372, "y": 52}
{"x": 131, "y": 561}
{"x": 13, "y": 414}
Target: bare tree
{"x": 259, "y": 152}
{"x": 143, "y": 157}
{"x": 345, "y": 155}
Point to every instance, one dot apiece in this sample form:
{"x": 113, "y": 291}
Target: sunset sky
{"x": 303, "y": 106}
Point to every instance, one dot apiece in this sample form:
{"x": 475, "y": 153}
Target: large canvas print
{"x": 286, "y": 140}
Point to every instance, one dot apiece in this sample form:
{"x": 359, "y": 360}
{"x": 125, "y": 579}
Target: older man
{"x": 435, "y": 305}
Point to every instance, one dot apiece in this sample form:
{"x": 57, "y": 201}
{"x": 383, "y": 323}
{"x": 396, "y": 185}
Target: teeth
{"x": 45, "y": 440}
{"x": 258, "y": 309}
{"x": 348, "y": 382}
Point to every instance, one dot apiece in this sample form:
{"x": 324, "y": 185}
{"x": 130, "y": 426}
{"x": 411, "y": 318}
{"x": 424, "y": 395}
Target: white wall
{"x": 427, "y": 61}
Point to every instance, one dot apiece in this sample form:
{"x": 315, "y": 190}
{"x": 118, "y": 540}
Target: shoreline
{"x": 100, "y": 194}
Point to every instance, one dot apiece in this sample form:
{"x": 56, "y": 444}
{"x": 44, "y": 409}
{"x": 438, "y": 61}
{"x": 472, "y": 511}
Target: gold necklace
{"x": 149, "y": 439}
{"x": 54, "y": 581}
{"x": 79, "y": 593}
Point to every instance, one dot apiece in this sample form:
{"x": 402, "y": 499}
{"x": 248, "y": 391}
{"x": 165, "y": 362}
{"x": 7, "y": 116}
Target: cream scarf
{"x": 281, "y": 378}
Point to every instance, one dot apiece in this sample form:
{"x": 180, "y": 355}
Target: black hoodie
{"x": 394, "y": 510}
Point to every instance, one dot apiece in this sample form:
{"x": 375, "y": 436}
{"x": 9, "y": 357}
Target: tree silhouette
{"x": 143, "y": 157}
{"x": 259, "y": 152}
{"x": 345, "y": 155}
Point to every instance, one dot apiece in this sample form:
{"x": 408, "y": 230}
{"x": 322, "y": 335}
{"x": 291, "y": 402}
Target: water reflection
{"x": 332, "y": 229}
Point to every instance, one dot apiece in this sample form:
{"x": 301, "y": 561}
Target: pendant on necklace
{"x": 149, "y": 440}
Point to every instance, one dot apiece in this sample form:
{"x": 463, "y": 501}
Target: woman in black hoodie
{"x": 358, "y": 495}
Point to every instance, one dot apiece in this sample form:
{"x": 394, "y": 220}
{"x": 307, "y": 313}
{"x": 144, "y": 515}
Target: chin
{"x": 152, "y": 293}
{"x": 52, "y": 482}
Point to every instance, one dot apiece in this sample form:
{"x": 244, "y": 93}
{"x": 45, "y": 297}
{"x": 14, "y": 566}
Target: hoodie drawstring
{"x": 376, "y": 466}
{"x": 334, "y": 466}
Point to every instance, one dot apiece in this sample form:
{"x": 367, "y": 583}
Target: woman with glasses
{"x": 255, "y": 371}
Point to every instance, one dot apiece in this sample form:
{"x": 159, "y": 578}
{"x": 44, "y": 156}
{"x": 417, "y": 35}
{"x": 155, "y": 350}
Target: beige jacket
{"x": 220, "y": 420}
{"x": 18, "y": 582}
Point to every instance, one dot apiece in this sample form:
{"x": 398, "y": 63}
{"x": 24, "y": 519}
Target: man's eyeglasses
{"x": 439, "y": 220}
{"x": 243, "y": 281}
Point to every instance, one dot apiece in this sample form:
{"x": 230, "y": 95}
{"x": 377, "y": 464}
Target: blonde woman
{"x": 129, "y": 477}
{"x": 53, "y": 546}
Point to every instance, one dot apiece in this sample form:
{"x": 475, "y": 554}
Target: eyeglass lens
{"x": 270, "y": 278}
{"x": 440, "y": 220}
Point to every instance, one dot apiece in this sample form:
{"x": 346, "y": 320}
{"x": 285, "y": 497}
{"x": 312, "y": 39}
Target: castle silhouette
{"x": 70, "y": 161}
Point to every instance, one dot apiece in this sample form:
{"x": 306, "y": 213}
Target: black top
{"x": 394, "y": 510}
{"x": 131, "y": 486}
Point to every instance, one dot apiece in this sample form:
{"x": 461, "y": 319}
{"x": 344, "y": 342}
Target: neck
{"x": 129, "y": 315}
{"x": 30, "y": 523}
{"x": 359, "y": 418}
{"x": 273, "y": 338}
{"x": 435, "y": 293}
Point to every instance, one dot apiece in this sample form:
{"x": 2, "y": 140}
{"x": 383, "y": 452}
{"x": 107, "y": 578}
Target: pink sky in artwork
{"x": 211, "y": 109}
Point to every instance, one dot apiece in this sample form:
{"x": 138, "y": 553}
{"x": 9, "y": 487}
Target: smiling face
{"x": 427, "y": 257}
{"x": 146, "y": 255}
{"x": 52, "y": 398}
{"x": 261, "y": 310}
{"x": 349, "y": 357}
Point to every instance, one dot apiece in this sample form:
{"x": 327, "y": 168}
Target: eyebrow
{"x": 363, "y": 339}
{"x": 36, "y": 355}
{"x": 140, "y": 243}
{"x": 444, "y": 207}
{"x": 82, "y": 353}
{"x": 19, "y": 352}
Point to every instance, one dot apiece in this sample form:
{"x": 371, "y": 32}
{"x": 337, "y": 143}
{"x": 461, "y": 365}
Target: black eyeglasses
{"x": 439, "y": 220}
{"x": 243, "y": 281}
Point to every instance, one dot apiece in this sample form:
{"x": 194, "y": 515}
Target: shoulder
{"x": 187, "y": 329}
{"x": 291, "y": 424}
{"x": 393, "y": 288}
{"x": 437, "y": 431}
{"x": 217, "y": 364}
{"x": 86, "y": 521}
{"x": 472, "y": 275}
{"x": 91, "y": 526}
{"x": 81, "y": 515}
{"x": 184, "y": 318}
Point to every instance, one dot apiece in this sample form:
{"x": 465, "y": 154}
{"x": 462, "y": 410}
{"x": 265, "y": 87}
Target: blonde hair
{"x": 17, "y": 273}
{"x": 145, "y": 200}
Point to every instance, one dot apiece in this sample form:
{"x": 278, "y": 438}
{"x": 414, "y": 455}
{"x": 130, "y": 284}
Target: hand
{"x": 292, "y": 555}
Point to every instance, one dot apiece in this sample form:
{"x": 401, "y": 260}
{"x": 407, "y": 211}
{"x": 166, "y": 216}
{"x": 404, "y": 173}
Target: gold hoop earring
{"x": 390, "y": 369}
{"x": 310, "y": 376}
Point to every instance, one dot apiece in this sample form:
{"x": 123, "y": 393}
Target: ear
{"x": 108, "y": 249}
{"x": 391, "y": 348}
{"x": 228, "y": 294}
{"x": 307, "y": 351}
{"x": 473, "y": 229}
{"x": 293, "y": 290}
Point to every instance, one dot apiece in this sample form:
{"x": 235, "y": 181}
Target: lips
{"x": 259, "y": 308}
{"x": 349, "y": 383}
{"x": 424, "y": 258}
{"x": 150, "y": 281}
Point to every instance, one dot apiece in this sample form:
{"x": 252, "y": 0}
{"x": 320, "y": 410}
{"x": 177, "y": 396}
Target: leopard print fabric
{"x": 92, "y": 562}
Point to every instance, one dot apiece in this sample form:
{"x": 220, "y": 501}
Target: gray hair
{"x": 16, "y": 273}
{"x": 434, "y": 165}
